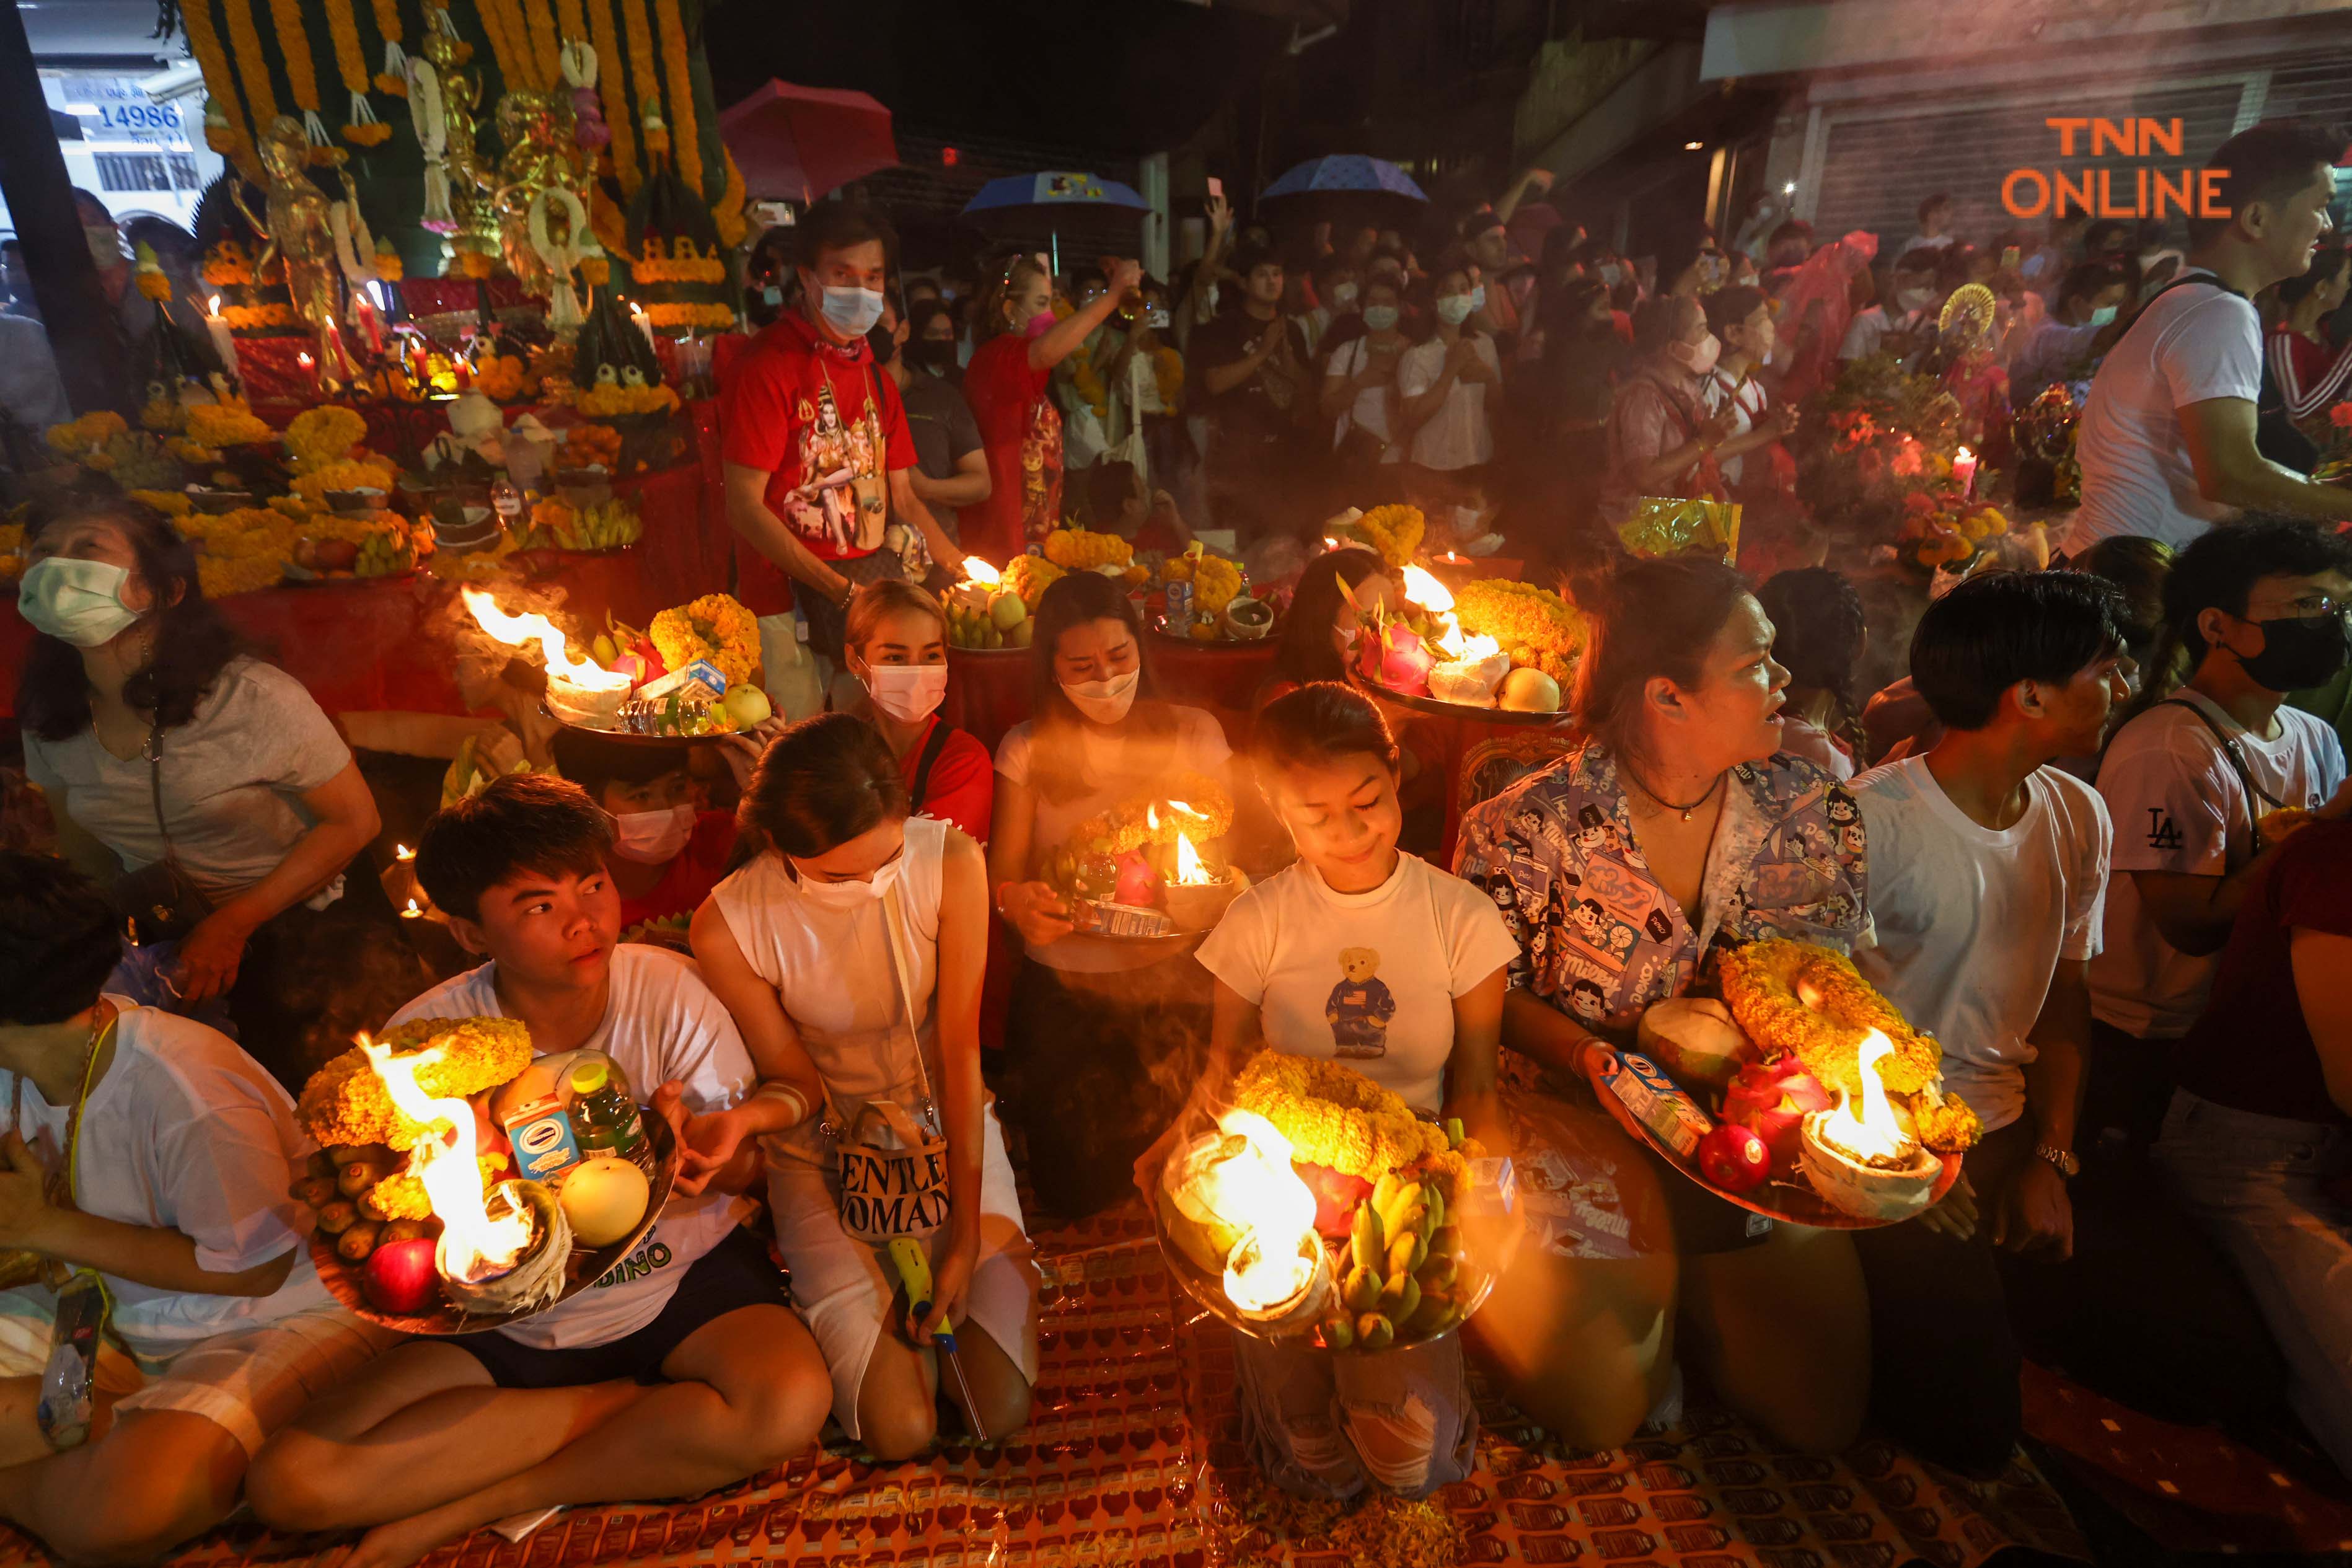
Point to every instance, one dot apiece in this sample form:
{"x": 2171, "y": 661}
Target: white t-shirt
{"x": 1369, "y": 979}
{"x": 661, "y": 1022}
{"x": 1457, "y": 435}
{"x": 2177, "y": 806}
{"x": 1870, "y": 328}
{"x": 1114, "y": 769}
{"x": 185, "y": 1133}
{"x": 1371, "y": 409}
{"x": 234, "y": 778}
{"x": 1747, "y": 398}
{"x": 2190, "y": 345}
{"x": 1972, "y": 923}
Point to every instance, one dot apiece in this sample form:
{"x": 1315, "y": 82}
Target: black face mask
{"x": 885, "y": 344}
{"x": 2299, "y": 652}
{"x": 932, "y": 356}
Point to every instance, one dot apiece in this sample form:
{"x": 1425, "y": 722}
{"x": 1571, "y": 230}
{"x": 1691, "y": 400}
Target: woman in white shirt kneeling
{"x": 851, "y": 952}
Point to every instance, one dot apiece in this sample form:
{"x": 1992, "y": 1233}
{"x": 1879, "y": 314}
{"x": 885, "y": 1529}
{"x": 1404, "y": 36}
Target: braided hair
{"x": 1818, "y": 632}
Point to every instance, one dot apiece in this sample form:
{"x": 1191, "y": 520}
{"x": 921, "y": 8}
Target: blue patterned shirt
{"x": 1601, "y": 940}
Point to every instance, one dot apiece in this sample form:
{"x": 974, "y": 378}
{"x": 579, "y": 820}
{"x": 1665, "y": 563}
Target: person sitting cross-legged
{"x": 685, "y": 1369}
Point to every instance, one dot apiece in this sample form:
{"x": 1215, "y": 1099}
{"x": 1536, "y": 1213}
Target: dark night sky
{"x": 1126, "y": 76}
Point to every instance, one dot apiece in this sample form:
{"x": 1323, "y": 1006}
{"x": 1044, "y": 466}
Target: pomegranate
{"x": 1772, "y": 1097}
{"x": 1734, "y": 1158}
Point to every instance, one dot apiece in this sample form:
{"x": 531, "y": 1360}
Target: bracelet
{"x": 790, "y": 1095}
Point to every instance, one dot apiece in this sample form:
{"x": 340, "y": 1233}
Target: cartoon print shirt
{"x": 1599, "y": 938}
{"x": 1367, "y": 978}
{"x": 826, "y": 425}
{"x": 1023, "y": 432}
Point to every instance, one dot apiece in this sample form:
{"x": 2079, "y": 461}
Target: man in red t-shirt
{"x": 815, "y": 440}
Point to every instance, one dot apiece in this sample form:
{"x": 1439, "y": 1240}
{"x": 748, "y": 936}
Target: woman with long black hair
{"x": 1101, "y": 1030}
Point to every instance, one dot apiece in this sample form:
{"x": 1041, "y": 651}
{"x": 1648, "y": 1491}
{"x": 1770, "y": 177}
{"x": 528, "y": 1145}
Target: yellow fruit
{"x": 603, "y": 1198}
{"x": 1007, "y": 611}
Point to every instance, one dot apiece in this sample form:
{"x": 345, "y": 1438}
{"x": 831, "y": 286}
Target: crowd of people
{"x": 2095, "y": 837}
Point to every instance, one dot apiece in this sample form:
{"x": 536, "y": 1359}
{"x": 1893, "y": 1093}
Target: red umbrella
{"x": 802, "y": 141}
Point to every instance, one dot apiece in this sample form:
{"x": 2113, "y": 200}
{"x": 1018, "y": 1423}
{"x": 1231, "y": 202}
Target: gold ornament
{"x": 536, "y": 127}
{"x": 302, "y": 235}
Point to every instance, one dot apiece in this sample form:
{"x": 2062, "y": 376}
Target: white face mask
{"x": 847, "y": 895}
{"x": 105, "y": 244}
{"x": 908, "y": 692}
{"x": 77, "y": 602}
{"x": 1454, "y": 308}
{"x": 1914, "y": 298}
{"x": 652, "y": 838}
{"x": 1104, "y": 702}
{"x": 1343, "y": 295}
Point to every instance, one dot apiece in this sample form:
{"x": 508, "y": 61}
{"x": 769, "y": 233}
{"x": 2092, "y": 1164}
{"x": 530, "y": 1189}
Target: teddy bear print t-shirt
{"x": 1367, "y": 978}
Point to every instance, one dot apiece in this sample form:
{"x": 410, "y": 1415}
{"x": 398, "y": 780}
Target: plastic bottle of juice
{"x": 604, "y": 1116}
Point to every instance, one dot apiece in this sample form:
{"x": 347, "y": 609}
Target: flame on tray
{"x": 1426, "y": 591}
{"x": 474, "y": 1245}
{"x": 1258, "y": 1191}
{"x": 518, "y": 631}
{"x": 1874, "y": 1134}
{"x": 979, "y": 570}
{"x": 1190, "y": 872}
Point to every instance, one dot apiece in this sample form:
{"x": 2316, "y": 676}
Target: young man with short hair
{"x": 1253, "y": 370}
{"x": 182, "y": 1153}
{"x": 1988, "y": 869}
{"x": 2166, "y": 439}
{"x": 815, "y": 442}
{"x": 2255, "y": 609}
{"x": 683, "y": 1370}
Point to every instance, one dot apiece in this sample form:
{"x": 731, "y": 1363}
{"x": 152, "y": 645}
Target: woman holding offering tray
{"x": 850, "y": 953}
{"x": 1377, "y": 959}
{"x": 1624, "y": 871}
{"x": 1093, "y": 1018}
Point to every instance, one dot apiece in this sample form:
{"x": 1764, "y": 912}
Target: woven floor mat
{"x": 1132, "y": 1458}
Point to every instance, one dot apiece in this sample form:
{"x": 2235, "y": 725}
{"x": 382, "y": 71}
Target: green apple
{"x": 1007, "y": 611}
{"x": 1020, "y": 635}
{"x": 747, "y": 704}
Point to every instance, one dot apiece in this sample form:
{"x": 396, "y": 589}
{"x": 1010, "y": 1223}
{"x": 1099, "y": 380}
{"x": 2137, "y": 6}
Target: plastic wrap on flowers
{"x": 1663, "y": 526}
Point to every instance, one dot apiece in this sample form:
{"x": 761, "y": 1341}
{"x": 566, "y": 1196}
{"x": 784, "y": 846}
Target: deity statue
{"x": 296, "y": 218}
{"x": 540, "y": 155}
{"x": 472, "y": 187}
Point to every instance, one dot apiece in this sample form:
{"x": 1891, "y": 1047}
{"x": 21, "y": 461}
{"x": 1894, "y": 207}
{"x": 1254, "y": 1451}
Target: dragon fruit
{"x": 1139, "y": 885}
{"x": 1772, "y": 1099}
{"x": 1395, "y": 659}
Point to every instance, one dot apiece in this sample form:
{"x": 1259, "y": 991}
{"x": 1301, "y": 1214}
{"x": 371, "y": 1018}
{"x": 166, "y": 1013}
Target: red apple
{"x": 1773, "y": 1098}
{"x": 399, "y": 1278}
{"x": 1734, "y": 1158}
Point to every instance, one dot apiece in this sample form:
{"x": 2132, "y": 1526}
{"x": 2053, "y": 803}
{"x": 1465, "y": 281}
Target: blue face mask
{"x": 2102, "y": 315}
{"x": 77, "y": 602}
{"x": 852, "y": 312}
{"x": 1380, "y": 318}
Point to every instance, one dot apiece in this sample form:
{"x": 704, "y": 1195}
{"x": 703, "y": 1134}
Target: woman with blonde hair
{"x": 895, "y": 647}
{"x": 1020, "y": 342}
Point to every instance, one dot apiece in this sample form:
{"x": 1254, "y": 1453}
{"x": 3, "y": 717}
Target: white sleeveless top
{"x": 832, "y": 966}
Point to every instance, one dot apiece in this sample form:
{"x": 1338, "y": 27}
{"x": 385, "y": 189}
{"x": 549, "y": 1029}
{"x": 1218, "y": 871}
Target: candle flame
{"x": 473, "y": 1245}
{"x": 1964, "y": 455}
{"x": 1330, "y": 543}
{"x": 1875, "y": 1133}
{"x": 1259, "y": 1193}
{"x": 303, "y": 360}
{"x": 979, "y": 570}
{"x": 412, "y": 912}
{"x": 516, "y": 631}
{"x": 214, "y": 308}
{"x": 402, "y": 852}
{"x": 1426, "y": 591}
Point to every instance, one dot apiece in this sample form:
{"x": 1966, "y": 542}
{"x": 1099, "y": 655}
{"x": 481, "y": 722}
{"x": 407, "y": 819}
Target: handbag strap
{"x": 841, "y": 1126}
{"x": 933, "y": 744}
{"x": 153, "y": 751}
{"x": 2238, "y": 765}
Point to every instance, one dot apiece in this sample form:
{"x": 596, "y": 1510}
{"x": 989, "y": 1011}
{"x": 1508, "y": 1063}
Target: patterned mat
{"x": 1133, "y": 1458}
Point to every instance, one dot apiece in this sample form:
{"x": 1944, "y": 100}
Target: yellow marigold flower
{"x": 345, "y": 1102}
{"x": 714, "y": 627}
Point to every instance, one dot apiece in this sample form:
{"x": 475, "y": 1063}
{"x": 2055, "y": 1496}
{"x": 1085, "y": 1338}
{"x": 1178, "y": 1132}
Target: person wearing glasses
{"x": 2194, "y": 779}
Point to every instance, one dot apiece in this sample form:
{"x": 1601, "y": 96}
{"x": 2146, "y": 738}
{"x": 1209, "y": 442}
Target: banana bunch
{"x": 609, "y": 525}
{"x": 384, "y": 552}
{"x": 1405, "y": 1276}
{"x": 1076, "y": 549}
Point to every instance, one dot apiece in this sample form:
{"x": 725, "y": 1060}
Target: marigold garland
{"x": 714, "y": 628}
{"x": 171, "y": 503}
{"x": 727, "y": 214}
{"x": 509, "y": 42}
{"x": 390, "y": 81}
{"x": 252, "y": 69}
{"x": 317, "y": 436}
{"x": 546, "y": 48}
{"x": 219, "y": 424}
{"x": 93, "y": 429}
{"x": 301, "y": 71}
{"x": 691, "y": 318}
{"x": 388, "y": 264}
{"x": 228, "y": 265}
{"x": 204, "y": 42}
{"x": 686, "y": 147}
{"x": 255, "y": 318}
{"x": 605, "y": 34}
{"x": 644, "y": 79}
{"x": 592, "y": 446}
{"x": 165, "y": 415}
{"x": 605, "y": 401}
{"x": 351, "y": 64}
{"x": 342, "y": 475}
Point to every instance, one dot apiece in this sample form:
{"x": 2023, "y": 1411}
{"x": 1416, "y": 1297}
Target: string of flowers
{"x": 606, "y": 34}
{"x": 728, "y": 212}
{"x": 394, "y": 79}
{"x": 686, "y": 153}
{"x": 648, "y": 83}
{"x": 544, "y": 45}
{"x": 363, "y": 128}
{"x": 509, "y": 44}
{"x": 252, "y": 69}
{"x": 570, "y": 21}
{"x": 301, "y": 71}
{"x": 204, "y": 43}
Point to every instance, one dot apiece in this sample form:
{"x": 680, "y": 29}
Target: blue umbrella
{"x": 1345, "y": 172}
{"x": 1050, "y": 189}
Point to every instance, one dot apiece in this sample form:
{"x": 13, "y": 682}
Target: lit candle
{"x": 412, "y": 912}
{"x": 645, "y": 323}
{"x": 402, "y": 852}
{"x": 1964, "y": 472}
{"x": 224, "y": 342}
{"x": 303, "y": 360}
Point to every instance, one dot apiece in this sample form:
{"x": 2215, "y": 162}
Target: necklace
{"x": 1686, "y": 810}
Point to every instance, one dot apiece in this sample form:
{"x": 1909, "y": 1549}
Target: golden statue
{"x": 537, "y": 129}
{"x": 301, "y": 233}
{"x": 471, "y": 188}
